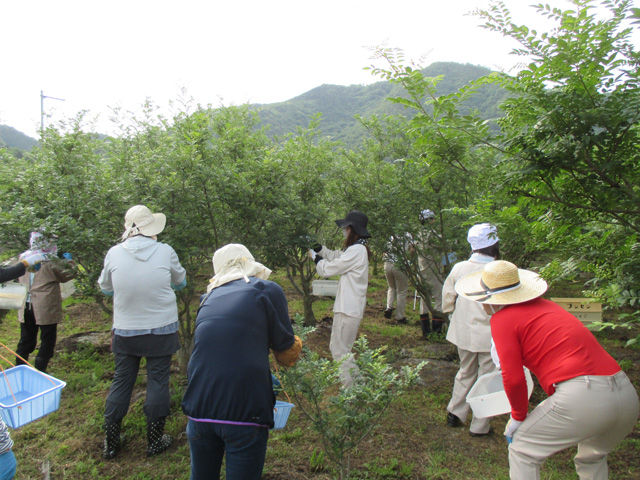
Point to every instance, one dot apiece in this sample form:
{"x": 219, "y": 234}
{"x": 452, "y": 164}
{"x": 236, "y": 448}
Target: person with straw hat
{"x": 470, "y": 331}
{"x": 229, "y": 398}
{"x": 142, "y": 274}
{"x": 591, "y": 405}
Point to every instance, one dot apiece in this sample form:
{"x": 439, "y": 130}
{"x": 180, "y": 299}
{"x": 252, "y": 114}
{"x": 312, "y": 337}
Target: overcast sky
{"x": 98, "y": 55}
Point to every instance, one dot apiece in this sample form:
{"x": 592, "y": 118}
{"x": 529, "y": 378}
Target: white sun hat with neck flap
{"x": 140, "y": 221}
{"x": 234, "y": 261}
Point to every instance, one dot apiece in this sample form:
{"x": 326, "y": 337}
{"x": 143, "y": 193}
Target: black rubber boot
{"x": 19, "y": 360}
{"x": 437, "y": 324}
{"x": 41, "y": 364}
{"x": 388, "y": 312}
{"x": 112, "y": 440}
{"x": 425, "y": 324}
{"x": 157, "y": 441}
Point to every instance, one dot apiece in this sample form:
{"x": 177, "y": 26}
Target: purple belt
{"x": 227, "y": 422}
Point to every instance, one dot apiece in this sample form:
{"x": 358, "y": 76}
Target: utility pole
{"x": 42, "y": 97}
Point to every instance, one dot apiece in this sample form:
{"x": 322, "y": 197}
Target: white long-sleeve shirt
{"x": 140, "y": 272}
{"x": 352, "y": 265}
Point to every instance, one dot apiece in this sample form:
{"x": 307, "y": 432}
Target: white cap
{"x": 426, "y": 214}
{"x": 482, "y": 235}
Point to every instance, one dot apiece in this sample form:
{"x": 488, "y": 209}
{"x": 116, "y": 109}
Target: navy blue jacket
{"x": 229, "y": 376}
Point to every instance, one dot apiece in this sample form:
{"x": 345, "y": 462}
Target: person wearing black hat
{"x": 352, "y": 264}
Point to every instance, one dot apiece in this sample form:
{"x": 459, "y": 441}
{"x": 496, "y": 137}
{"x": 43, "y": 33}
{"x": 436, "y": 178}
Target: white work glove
{"x": 494, "y": 355}
{"x": 32, "y": 259}
{"x": 312, "y": 254}
{"x": 511, "y": 428}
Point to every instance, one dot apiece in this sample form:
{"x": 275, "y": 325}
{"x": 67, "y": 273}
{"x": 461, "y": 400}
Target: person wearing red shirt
{"x": 591, "y": 404}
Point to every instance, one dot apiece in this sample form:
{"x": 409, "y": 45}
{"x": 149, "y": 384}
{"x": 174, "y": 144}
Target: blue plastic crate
{"x": 281, "y": 414}
{"x": 27, "y": 394}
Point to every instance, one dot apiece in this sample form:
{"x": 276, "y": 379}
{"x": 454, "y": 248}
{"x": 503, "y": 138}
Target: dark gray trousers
{"x": 157, "y": 402}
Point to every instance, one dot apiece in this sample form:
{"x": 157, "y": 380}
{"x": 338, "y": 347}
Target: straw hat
{"x": 140, "y": 220}
{"x": 501, "y": 283}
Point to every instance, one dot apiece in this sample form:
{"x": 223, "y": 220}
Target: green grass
{"x": 412, "y": 443}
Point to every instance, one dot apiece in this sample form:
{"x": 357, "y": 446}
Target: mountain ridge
{"x": 340, "y": 104}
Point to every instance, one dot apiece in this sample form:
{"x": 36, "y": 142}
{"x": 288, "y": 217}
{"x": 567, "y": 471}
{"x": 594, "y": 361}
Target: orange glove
{"x": 288, "y": 357}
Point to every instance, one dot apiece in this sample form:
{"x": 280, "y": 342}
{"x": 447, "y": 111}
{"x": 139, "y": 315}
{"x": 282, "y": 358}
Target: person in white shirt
{"x": 141, "y": 274}
{"x": 470, "y": 329}
{"x": 352, "y": 264}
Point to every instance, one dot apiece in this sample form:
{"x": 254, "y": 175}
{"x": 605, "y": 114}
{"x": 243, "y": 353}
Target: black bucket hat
{"x": 357, "y": 220}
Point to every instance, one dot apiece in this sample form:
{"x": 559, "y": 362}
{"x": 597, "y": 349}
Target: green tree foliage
{"x": 64, "y": 187}
{"x": 571, "y": 132}
{"x": 304, "y": 211}
{"x": 339, "y": 105}
{"x": 444, "y": 169}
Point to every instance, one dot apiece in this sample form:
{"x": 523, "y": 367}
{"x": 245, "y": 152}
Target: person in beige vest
{"x": 470, "y": 330}
{"x": 43, "y": 308}
{"x": 397, "y": 279}
{"x": 430, "y": 273}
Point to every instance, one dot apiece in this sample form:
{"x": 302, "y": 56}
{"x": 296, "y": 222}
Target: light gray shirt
{"x": 140, "y": 272}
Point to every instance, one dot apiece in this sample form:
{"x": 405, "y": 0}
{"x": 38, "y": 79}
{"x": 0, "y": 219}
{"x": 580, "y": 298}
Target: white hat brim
{"x": 155, "y": 227}
{"x": 531, "y": 286}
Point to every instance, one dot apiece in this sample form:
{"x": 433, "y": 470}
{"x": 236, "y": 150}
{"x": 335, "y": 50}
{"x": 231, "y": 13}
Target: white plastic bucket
{"x": 328, "y": 288}
{"x": 67, "y": 289}
{"x": 487, "y": 397}
{"x": 12, "y": 296}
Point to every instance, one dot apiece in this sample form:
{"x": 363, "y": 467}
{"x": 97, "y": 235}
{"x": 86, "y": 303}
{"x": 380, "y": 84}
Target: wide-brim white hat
{"x": 140, "y": 220}
{"x": 501, "y": 283}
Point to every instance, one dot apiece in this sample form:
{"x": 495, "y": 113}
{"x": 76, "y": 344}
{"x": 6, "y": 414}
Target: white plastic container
{"x": 67, "y": 289}
{"x": 487, "y": 397}
{"x": 12, "y": 296}
{"x": 327, "y": 288}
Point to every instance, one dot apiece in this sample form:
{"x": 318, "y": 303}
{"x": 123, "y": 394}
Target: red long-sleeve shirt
{"x": 549, "y": 341}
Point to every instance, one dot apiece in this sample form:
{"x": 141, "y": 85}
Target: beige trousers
{"x": 398, "y": 286}
{"x": 343, "y": 335}
{"x": 436, "y": 291}
{"x": 593, "y": 412}
{"x": 472, "y": 365}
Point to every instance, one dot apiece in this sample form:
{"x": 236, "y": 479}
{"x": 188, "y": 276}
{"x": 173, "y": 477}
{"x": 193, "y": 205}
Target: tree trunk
{"x": 307, "y": 301}
{"x": 309, "y": 316}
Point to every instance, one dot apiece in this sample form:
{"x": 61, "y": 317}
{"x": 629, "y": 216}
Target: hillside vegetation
{"x": 339, "y": 106}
